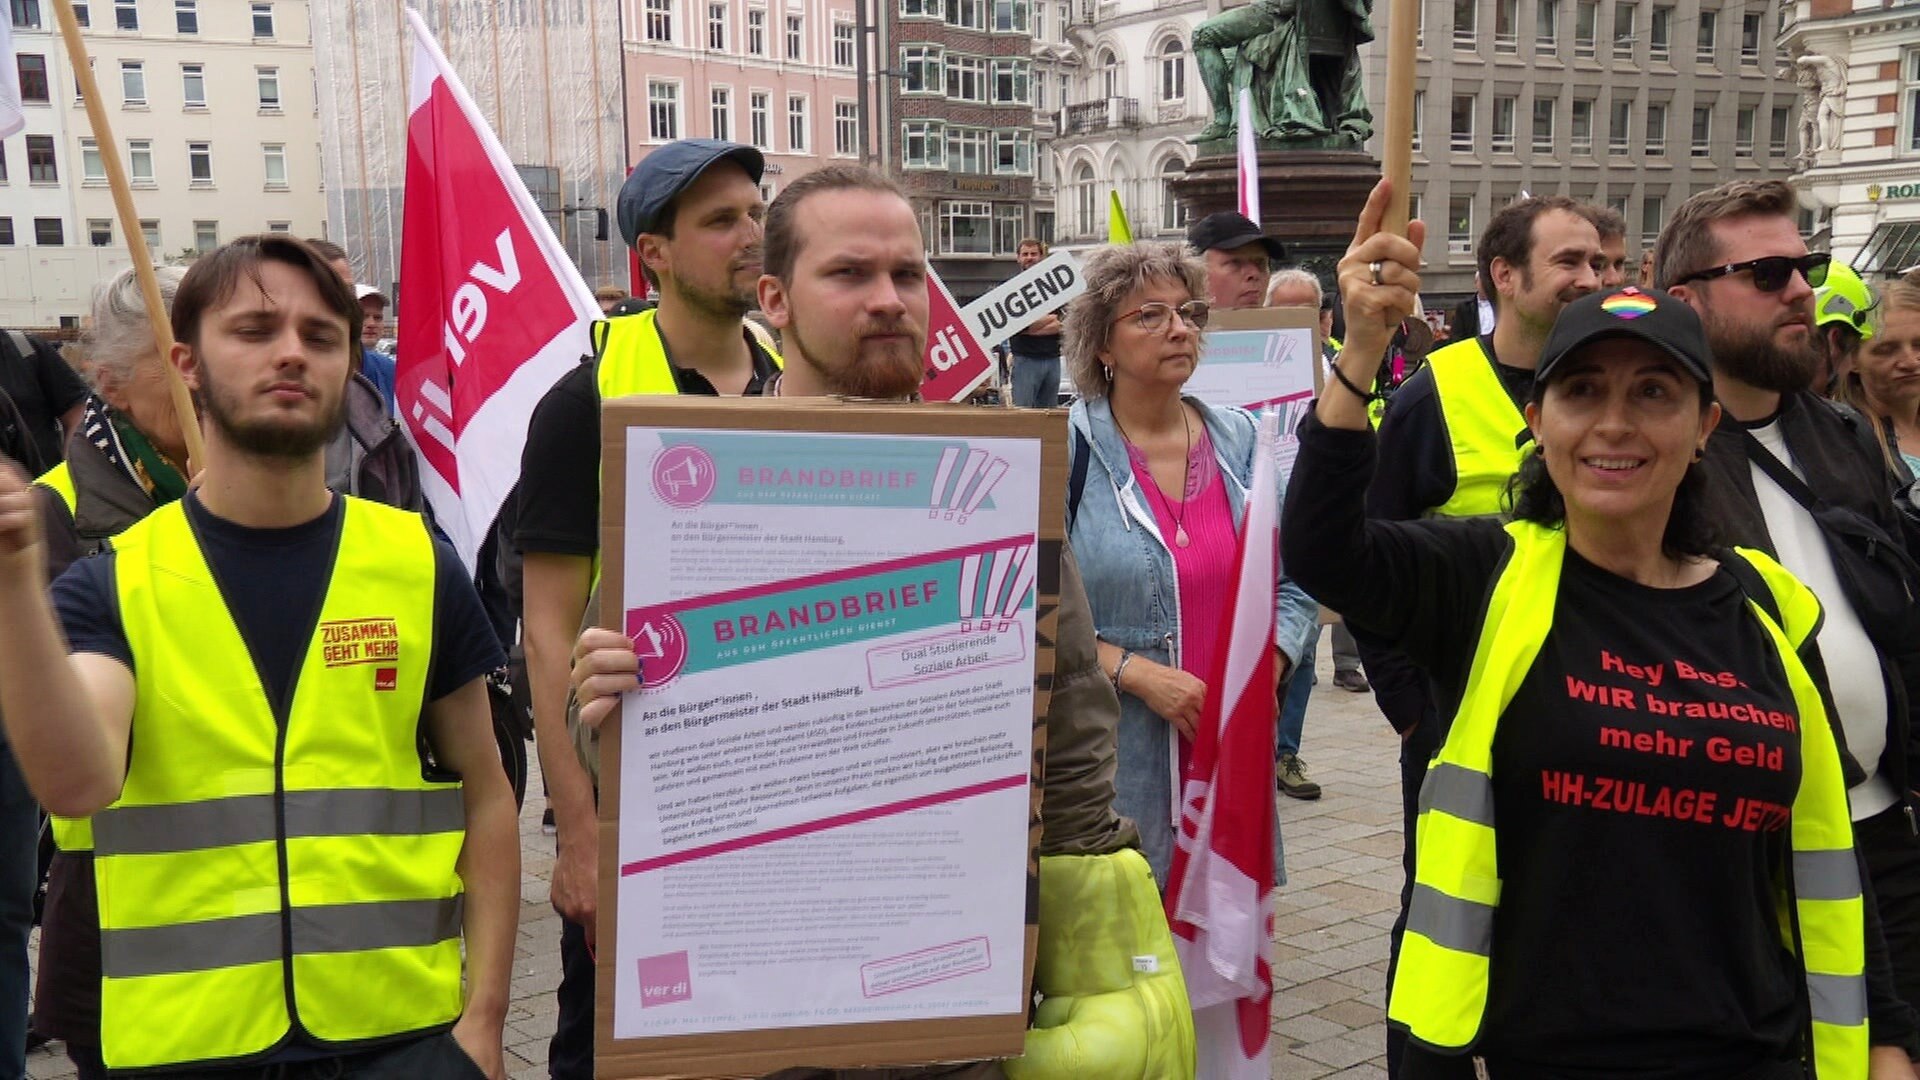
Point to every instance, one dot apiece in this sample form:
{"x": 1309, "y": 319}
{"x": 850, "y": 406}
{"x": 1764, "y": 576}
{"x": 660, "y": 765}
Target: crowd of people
{"x": 1627, "y": 567}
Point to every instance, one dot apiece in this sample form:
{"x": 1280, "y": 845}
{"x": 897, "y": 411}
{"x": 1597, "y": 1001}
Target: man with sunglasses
{"x": 1735, "y": 254}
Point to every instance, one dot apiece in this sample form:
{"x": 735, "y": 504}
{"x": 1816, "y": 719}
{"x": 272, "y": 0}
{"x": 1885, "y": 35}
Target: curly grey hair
{"x": 120, "y": 337}
{"x": 1112, "y": 274}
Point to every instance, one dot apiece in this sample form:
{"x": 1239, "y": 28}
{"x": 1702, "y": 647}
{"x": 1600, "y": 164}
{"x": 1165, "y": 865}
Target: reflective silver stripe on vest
{"x": 1840, "y": 1000}
{"x": 255, "y": 939}
{"x": 1460, "y": 925}
{"x": 248, "y": 819}
{"x": 1459, "y": 791}
{"x": 1826, "y": 875}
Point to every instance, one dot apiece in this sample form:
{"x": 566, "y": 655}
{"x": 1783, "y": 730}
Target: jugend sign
{"x": 1044, "y": 287}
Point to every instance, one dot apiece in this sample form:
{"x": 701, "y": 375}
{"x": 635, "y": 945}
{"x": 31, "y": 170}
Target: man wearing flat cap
{"x": 1238, "y": 256}
{"x": 692, "y": 211}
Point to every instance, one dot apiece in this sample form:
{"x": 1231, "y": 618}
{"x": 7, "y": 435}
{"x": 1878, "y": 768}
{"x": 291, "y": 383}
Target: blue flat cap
{"x": 668, "y": 171}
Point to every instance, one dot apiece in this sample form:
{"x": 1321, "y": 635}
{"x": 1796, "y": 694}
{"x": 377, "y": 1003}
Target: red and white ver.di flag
{"x": 1248, "y": 158}
{"x": 492, "y": 312}
{"x": 1220, "y": 889}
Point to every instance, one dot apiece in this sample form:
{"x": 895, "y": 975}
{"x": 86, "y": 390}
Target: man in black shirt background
{"x": 1036, "y": 350}
{"x": 48, "y": 393}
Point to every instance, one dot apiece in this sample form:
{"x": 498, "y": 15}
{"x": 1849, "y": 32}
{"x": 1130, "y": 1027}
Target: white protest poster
{"x": 1262, "y": 359}
{"x": 824, "y": 789}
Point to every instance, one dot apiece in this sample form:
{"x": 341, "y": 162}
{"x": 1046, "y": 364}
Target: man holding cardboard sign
{"x": 1036, "y": 350}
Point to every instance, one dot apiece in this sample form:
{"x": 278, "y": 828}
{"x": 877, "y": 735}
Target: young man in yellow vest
{"x": 692, "y": 211}
{"x": 274, "y": 711}
{"x": 1452, "y": 436}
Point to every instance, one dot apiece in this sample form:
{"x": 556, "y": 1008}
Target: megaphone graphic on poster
{"x": 684, "y": 475}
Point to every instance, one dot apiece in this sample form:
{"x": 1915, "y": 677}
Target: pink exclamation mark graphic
{"x": 1003, "y": 561}
{"x": 947, "y": 457}
{"x": 975, "y": 459}
{"x": 991, "y": 477}
{"x": 1022, "y": 581}
{"x": 969, "y": 584}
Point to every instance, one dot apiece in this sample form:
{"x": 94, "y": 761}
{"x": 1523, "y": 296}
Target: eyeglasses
{"x": 1771, "y": 274}
{"x": 1154, "y": 318}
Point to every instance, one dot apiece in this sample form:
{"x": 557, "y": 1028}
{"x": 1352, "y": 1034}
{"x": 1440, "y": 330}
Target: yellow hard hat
{"x": 1844, "y": 299}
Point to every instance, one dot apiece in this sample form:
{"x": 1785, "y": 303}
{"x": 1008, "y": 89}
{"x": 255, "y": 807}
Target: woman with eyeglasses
{"x": 1160, "y": 484}
{"x": 1885, "y": 380}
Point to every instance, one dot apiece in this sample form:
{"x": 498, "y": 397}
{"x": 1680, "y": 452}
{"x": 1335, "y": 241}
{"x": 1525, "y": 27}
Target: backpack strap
{"x": 20, "y": 343}
{"x": 1077, "y": 475}
{"x": 1753, "y": 585}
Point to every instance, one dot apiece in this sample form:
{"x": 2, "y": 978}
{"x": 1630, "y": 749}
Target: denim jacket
{"x": 1134, "y": 593}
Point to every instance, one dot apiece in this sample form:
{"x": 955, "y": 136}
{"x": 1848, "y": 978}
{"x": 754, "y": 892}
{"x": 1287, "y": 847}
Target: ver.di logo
{"x": 684, "y": 476}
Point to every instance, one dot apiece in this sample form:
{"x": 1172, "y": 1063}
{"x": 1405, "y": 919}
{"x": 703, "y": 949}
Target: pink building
{"x": 777, "y": 74}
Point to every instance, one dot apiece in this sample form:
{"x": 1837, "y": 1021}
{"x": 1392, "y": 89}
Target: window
{"x": 1618, "y": 124}
{"x": 967, "y": 14}
{"x": 923, "y": 144}
{"x": 1750, "y": 38}
{"x": 26, "y": 14}
{"x": 1503, "y": 110}
{"x": 133, "y": 82}
{"x": 100, "y": 232}
{"x": 1462, "y": 122}
{"x": 80, "y": 15}
{"x": 1546, "y": 26}
{"x": 193, "y": 85}
{"x": 273, "y": 157}
{"x": 1040, "y": 21}
{"x": 1009, "y": 225}
{"x": 756, "y": 31}
{"x": 42, "y": 165}
{"x": 267, "y": 81}
{"x": 1653, "y": 215}
{"x": 1419, "y": 117}
{"x": 1703, "y": 42}
{"x": 280, "y": 226}
{"x": 1744, "y": 124}
{"x": 6, "y": 232}
{"x": 663, "y": 110}
{"x": 1506, "y": 26}
{"x": 924, "y": 65}
{"x": 1618, "y": 204}
{"x": 262, "y": 20}
{"x": 1702, "y": 131}
{"x": 659, "y": 20}
{"x": 206, "y": 236}
{"x": 760, "y": 119}
{"x": 926, "y": 9}
{"x": 1173, "y": 215}
{"x": 33, "y": 78}
{"x": 140, "y": 160}
{"x": 1173, "y": 71}
{"x": 843, "y": 45}
{"x": 126, "y": 15}
{"x": 1777, "y": 132}
{"x": 1013, "y": 152}
{"x": 966, "y": 228}
{"x": 717, "y": 27}
{"x": 720, "y": 112}
{"x": 3, "y": 162}
{"x": 1012, "y": 82}
{"x": 1656, "y": 129}
{"x": 1107, "y": 73}
{"x": 796, "y": 36}
{"x": 1543, "y": 125}
{"x": 186, "y": 16}
{"x": 1084, "y": 200}
{"x": 1414, "y": 206}
{"x": 200, "y": 162}
{"x": 846, "y": 129}
{"x": 967, "y": 150}
{"x": 91, "y": 166}
{"x": 1010, "y": 16}
{"x": 797, "y": 127}
{"x": 967, "y": 78}
{"x": 150, "y": 232}
{"x": 1460, "y": 225}
{"x": 1465, "y": 22}
{"x": 1623, "y": 31}
{"x": 49, "y": 231}
{"x": 1586, "y": 29}
{"x": 1660, "y": 38}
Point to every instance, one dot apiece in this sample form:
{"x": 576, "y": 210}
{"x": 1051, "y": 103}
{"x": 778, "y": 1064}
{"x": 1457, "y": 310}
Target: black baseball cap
{"x": 1659, "y": 320}
{"x": 1227, "y": 229}
{"x": 668, "y": 171}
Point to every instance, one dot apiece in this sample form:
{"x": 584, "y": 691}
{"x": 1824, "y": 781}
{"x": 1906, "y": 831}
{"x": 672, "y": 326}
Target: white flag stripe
{"x": 12, "y": 116}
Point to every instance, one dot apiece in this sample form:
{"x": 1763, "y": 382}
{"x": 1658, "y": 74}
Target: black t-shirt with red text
{"x": 1654, "y": 736}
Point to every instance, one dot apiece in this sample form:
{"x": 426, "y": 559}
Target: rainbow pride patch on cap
{"x": 1628, "y": 304}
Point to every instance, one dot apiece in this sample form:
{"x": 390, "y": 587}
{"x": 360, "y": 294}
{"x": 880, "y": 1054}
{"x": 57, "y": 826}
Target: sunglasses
{"x": 1772, "y": 273}
{"x": 1155, "y": 317}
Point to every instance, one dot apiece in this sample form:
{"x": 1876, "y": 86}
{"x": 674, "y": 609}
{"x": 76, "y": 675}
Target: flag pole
{"x": 1403, "y": 26}
{"x": 130, "y": 226}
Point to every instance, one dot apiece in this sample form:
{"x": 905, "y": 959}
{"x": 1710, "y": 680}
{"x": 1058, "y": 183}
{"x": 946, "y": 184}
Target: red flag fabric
{"x": 492, "y": 312}
{"x": 1220, "y": 889}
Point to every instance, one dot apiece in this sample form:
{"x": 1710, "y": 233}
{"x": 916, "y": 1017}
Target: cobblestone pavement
{"x": 1330, "y": 953}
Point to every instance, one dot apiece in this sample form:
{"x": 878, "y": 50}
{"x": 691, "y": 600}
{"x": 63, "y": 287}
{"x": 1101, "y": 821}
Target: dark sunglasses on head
{"x": 1772, "y": 273}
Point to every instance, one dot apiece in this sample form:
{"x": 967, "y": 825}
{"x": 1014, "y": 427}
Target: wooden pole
{"x": 1403, "y": 29}
{"x": 130, "y": 227}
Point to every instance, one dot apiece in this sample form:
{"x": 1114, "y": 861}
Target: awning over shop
{"x": 1893, "y": 248}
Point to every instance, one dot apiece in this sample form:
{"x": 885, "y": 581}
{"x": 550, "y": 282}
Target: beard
{"x": 727, "y": 300}
{"x": 881, "y": 370}
{"x": 267, "y": 439}
{"x": 1751, "y": 355}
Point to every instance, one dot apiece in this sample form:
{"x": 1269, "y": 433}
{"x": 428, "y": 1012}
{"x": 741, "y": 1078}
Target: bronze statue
{"x": 1301, "y": 61}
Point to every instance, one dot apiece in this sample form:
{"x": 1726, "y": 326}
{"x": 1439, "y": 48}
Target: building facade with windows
{"x": 1863, "y": 185}
{"x": 961, "y": 94}
{"x": 1631, "y": 104}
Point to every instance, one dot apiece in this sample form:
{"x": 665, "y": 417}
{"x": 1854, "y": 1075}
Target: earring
{"x": 1699, "y": 453}
{"x": 1538, "y": 450}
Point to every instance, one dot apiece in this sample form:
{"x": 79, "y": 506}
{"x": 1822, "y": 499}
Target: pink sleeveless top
{"x": 1204, "y": 568}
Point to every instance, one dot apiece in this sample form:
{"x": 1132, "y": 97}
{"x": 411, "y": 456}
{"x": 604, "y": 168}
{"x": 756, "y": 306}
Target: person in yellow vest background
{"x": 274, "y": 712}
{"x": 1635, "y": 854}
{"x": 693, "y": 212}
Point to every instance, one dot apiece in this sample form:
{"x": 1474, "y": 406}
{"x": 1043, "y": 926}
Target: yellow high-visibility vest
{"x": 266, "y": 869}
{"x": 1485, "y": 431}
{"x": 630, "y": 358}
{"x": 69, "y": 834}
{"x": 60, "y": 480}
{"x": 1439, "y": 994}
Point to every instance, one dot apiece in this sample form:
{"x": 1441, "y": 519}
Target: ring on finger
{"x": 1374, "y": 269}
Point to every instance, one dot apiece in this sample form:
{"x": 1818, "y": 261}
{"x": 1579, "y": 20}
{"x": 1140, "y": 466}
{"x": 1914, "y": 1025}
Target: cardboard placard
{"x": 892, "y": 1042}
{"x": 956, "y": 362}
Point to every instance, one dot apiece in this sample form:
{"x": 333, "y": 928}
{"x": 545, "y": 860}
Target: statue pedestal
{"x": 1309, "y": 199}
